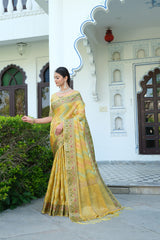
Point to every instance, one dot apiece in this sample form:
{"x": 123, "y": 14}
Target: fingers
{"x": 26, "y": 119}
{"x": 58, "y": 131}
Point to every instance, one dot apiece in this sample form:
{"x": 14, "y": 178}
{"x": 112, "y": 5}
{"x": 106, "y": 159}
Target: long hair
{"x": 64, "y": 72}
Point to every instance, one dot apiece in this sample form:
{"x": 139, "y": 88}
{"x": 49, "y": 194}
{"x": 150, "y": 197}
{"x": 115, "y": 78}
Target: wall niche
{"x": 157, "y": 52}
{"x": 117, "y": 100}
{"x": 116, "y": 56}
{"x": 118, "y": 123}
{"x": 140, "y": 53}
{"x": 117, "y": 76}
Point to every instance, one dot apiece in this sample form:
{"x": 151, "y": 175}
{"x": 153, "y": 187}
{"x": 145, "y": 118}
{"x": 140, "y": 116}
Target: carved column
{"x": 29, "y": 5}
{"x": 10, "y": 6}
{"x": 19, "y": 5}
{"x": 93, "y": 69}
{"x": 1, "y": 7}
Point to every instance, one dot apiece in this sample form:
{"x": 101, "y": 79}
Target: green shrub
{"x": 25, "y": 161}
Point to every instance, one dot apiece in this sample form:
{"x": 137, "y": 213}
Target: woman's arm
{"x": 37, "y": 120}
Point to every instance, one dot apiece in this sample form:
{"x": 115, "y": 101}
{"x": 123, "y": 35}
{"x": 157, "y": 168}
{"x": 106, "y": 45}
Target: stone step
{"x": 135, "y": 189}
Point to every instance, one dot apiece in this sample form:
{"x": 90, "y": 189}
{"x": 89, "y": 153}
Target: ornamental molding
{"x": 121, "y": 115}
{"x": 118, "y": 112}
{"x": 112, "y": 96}
{"x": 117, "y": 86}
{"x": 119, "y": 133}
{"x": 154, "y": 47}
{"x": 118, "y": 48}
{"x": 24, "y": 13}
{"x": 114, "y": 67}
{"x": 93, "y": 68}
{"x": 141, "y": 46}
{"x": 136, "y": 60}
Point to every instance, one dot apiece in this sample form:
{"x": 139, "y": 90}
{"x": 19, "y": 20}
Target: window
{"x": 149, "y": 114}
{"x": 13, "y": 91}
{"x": 43, "y": 92}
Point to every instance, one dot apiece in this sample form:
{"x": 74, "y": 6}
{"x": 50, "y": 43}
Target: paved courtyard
{"x": 127, "y": 173}
{"x": 140, "y": 223}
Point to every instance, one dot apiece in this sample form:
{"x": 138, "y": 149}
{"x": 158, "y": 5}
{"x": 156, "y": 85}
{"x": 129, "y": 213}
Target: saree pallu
{"x": 75, "y": 187}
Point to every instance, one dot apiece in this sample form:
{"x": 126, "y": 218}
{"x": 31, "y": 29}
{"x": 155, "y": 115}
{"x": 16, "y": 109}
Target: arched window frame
{"x": 41, "y": 85}
{"x": 12, "y": 88}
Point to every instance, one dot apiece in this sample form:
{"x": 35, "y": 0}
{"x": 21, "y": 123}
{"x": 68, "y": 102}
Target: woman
{"x": 75, "y": 187}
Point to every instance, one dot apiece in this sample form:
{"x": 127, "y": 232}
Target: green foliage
{"x": 25, "y": 161}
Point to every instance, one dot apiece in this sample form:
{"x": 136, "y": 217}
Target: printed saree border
{"x": 55, "y": 210}
{"x": 71, "y": 170}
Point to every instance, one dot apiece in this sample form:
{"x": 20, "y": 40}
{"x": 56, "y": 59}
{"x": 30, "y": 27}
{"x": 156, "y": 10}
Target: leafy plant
{"x": 25, "y": 161}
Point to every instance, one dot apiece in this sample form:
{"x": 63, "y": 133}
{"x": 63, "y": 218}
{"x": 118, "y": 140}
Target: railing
{"x": 9, "y": 7}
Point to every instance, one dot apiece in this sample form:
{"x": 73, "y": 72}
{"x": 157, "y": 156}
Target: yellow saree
{"x": 75, "y": 187}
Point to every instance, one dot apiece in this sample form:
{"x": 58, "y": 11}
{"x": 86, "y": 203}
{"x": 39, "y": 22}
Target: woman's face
{"x": 59, "y": 79}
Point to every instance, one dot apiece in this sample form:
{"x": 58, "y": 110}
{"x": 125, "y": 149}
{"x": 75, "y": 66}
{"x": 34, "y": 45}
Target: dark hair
{"x": 64, "y": 72}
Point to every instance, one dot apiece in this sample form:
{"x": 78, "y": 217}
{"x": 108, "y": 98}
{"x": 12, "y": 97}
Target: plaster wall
{"x": 108, "y": 144}
{"x": 24, "y": 27}
{"x": 33, "y": 60}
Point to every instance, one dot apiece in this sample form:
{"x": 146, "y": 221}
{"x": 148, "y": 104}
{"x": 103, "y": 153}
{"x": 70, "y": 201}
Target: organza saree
{"x": 75, "y": 187}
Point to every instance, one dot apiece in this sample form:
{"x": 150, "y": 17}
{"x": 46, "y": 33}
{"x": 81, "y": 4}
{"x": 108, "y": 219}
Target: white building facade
{"x": 119, "y": 81}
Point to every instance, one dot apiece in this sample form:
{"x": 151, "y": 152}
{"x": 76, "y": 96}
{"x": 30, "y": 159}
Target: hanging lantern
{"x": 109, "y": 36}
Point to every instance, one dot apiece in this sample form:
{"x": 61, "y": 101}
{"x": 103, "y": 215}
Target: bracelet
{"x": 33, "y": 121}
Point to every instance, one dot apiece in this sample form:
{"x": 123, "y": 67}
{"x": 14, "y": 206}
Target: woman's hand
{"x": 27, "y": 119}
{"x": 59, "y": 129}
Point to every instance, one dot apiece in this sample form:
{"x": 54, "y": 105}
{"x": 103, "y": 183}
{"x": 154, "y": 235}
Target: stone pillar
{"x": 56, "y": 45}
{"x": 66, "y": 19}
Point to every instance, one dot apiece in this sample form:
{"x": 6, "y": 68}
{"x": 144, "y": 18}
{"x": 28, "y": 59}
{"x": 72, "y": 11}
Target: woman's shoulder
{"x": 71, "y": 93}
{"x": 76, "y": 91}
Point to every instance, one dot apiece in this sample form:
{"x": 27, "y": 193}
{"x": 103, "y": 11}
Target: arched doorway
{"x": 149, "y": 114}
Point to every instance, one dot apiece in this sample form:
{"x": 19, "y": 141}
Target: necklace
{"x": 64, "y": 91}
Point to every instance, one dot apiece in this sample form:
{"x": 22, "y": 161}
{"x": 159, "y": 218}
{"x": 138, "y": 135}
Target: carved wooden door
{"x": 149, "y": 114}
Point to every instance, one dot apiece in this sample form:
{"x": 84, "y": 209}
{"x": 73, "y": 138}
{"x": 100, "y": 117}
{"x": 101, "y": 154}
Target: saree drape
{"x": 75, "y": 187}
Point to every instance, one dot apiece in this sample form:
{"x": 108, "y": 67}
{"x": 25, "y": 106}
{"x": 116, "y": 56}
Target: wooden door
{"x": 149, "y": 114}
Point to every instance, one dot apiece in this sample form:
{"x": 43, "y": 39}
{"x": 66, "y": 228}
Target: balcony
{"x": 22, "y": 19}
{"x": 18, "y": 8}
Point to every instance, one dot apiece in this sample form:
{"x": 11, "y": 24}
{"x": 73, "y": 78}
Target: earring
{"x": 65, "y": 85}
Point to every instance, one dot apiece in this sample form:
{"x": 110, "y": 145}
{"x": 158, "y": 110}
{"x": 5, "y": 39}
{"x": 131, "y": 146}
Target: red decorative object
{"x": 109, "y": 36}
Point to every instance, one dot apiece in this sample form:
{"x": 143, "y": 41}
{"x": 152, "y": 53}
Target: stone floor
{"x": 140, "y": 223}
{"x": 122, "y": 173}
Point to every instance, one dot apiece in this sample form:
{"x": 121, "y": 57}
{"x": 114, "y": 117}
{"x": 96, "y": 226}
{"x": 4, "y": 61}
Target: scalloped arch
{"x": 12, "y": 66}
{"x": 91, "y": 20}
{"x": 145, "y": 78}
{"x": 43, "y": 69}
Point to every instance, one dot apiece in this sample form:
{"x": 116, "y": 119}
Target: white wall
{"x": 108, "y": 144}
{"x": 35, "y": 57}
{"x": 24, "y": 27}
